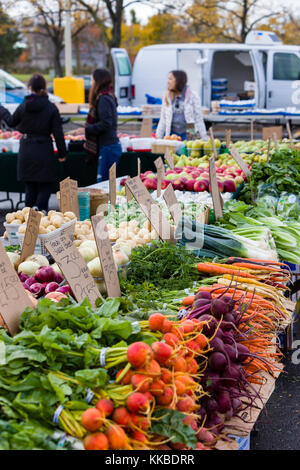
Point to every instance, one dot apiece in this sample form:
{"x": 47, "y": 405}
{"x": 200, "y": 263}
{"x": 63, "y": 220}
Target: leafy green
{"x": 169, "y": 423}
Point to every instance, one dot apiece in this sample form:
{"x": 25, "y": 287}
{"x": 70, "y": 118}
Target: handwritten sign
{"x": 215, "y": 192}
{"x": 128, "y": 193}
{"x": 173, "y": 204}
{"x": 150, "y": 209}
{"x": 112, "y": 186}
{"x": 212, "y": 138}
{"x": 13, "y": 298}
{"x": 169, "y": 159}
{"x": 275, "y": 140}
{"x": 160, "y": 173}
{"x": 74, "y": 268}
{"x": 146, "y": 128}
{"x": 74, "y": 197}
{"x": 228, "y": 138}
{"x": 65, "y": 195}
{"x": 106, "y": 256}
{"x": 269, "y": 131}
{"x": 31, "y": 234}
{"x": 237, "y": 157}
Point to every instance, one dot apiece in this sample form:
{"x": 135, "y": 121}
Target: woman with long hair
{"x": 101, "y": 124}
{"x": 181, "y": 109}
{"x": 37, "y": 119}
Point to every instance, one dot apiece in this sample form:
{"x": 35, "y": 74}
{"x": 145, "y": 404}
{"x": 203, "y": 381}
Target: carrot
{"x": 188, "y": 300}
{"x": 255, "y": 266}
{"x": 216, "y": 269}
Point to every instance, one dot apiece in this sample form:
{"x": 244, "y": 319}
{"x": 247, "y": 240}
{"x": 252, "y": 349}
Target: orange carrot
{"x": 188, "y": 300}
{"x": 216, "y": 269}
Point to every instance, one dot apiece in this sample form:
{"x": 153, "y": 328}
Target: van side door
{"x": 122, "y": 75}
{"x": 282, "y": 72}
{"x": 259, "y": 65}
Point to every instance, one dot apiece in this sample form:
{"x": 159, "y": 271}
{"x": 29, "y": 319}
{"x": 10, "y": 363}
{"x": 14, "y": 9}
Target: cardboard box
{"x": 267, "y": 132}
{"x": 65, "y": 108}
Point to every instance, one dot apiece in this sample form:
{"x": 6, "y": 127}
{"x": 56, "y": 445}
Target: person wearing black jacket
{"x": 37, "y": 119}
{"x": 101, "y": 125}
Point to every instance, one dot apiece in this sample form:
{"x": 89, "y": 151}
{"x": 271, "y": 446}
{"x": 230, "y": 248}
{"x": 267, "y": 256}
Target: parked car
{"x": 262, "y": 69}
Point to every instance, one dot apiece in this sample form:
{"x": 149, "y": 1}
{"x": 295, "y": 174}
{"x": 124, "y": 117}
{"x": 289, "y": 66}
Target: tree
{"x": 48, "y": 21}
{"x": 9, "y": 38}
{"x": 286, "y": 26}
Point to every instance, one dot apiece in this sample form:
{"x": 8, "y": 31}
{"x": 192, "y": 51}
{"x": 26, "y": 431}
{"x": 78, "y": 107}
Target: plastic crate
{"x": 42, "y": 239}
{"x": 12, "y": 233}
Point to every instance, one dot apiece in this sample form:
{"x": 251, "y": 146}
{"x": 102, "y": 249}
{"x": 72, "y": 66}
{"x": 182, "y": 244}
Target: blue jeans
{"x": 109, "y": 154}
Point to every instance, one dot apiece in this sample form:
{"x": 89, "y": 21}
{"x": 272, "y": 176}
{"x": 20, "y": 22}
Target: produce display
{"x": 193, "y": 341}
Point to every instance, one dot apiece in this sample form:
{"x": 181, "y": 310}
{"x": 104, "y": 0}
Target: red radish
{"x": 151, "y": 370}
{"x": 171, "y": 339}
{"x": 138, "y": 436}
{"x": 205, "y": 436}
{"x": 66, "y": 289}
{"x": 37, "y": 289}
{"x": 193, "y": 345}
{"x": 58, "y": 278}
{"x": 45, "y": 274}
{"x": 166, "y": 376}
{"x": 105, "y": 406}
{"x": 157, "y": 387}
{"x": 156, "y": 321}
{"x": 117, "y": 438}
{"x": 180, "y": 387}
{"x": 186, "y": 405}
{"x": 200, "y": 446}
{"x": 140, "y": 382}
{"x": 188, "y": 326}
{"x": 162, "y": 351}
{"x": 126, "y": 380}
{"x": 166, "y": 398}
{"x": 180, "y": 365}
{"x": 188, "y": 420}
{"x": 95, "y": 441}
{"x": 92, "y": 419}
{"x": 29, "y": 281}
{"x": 139, "y": 354}
{"x": 166, "y": 326}
{"x": 149, "y": 396}
{"x": 178, "y": 446}
{"x": 192, "y": 366}
{"x": 121, "y": 416}
{"x": 140, "y": 421}
{"x": 137, "y": 402}
{"x": 177, "y": 332}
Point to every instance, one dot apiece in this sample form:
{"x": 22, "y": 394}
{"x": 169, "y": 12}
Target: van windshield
{"x": 286, "y": 66}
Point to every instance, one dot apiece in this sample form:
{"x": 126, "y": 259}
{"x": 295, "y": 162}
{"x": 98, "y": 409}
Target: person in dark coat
{"x": 101, "y": 125}
{"x": 37, "y": 119}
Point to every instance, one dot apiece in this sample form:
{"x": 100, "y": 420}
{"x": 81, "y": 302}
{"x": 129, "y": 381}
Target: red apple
{"x": 189, "y": 185}
{"x": 177, "y": 184}
{"x": 200, "y": 186}
{"x": 229, "y": 186}
{"x": 239, "y": 179}
{"x": 165, "y": 183}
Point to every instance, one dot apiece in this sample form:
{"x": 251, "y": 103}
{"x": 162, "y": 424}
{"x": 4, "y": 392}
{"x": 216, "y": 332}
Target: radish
{"x": 140, "y": 421}
{"x": 180, "y": 387}
{"x": 186, "y": 405}
{"x": 155, "y": 321}
{"x": 92, "y": 419}
{"x": 137, "y": 402}
{"x": 200, "y": 303}
{"x": 45, "y": 274}
{"x": 224, "y": 402}
{"x": 217, "y": 361}
{"x": 188, "y": 326}
{"x": 121, "y": 416}
{"x": 95, "y": 441}
{"x": 37, "y": 289}
{"x": 51, "y": 287}
{"x": 203, "y": 295}
{"x": 166, "y": 376}
{"x": 140, "y": 382}
{"x": 219, "y": 308}
{"x": 117, "y": 438}
{"x": 58, "y": 278}
{"x": 171, "y": 339}
{"x": 151, "y": 370}
{"x": 166, "y": 326}
{"x": 162, "y": 351}
{"x": 211, "y": 326}
{"x": 157, "y": 387}
{"x": 139, "y": 353}
{"x": 105, "y": 406}
{"x": 180, "y": 365}
{"x": 138, "y": 436}
{"x": 166, "y": 398}
{"x": 205, "y": 436}
{"x": 126, "y": 380}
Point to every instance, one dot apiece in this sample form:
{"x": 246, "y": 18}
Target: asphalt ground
{"x": 278, "y": 425}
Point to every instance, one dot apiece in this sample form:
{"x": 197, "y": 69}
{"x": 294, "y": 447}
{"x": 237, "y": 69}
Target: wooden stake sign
{"x": 74, "y": 198}
{"x": 215, "y": 192}
{"x": 212, "y": 138}
{"x": 113, "y": 186}
{"x": 251, "y": 129}
{"x": 65, "y": 195}
{"x": 106, "y": 256}
{"x": 139, "y": 167}
{"x": 128, "y": 193}
{"x": 74, "y": 268}
{"x": 288, "y": 127}
{"x": 228, "y": 138}
{"x": 31, "y": 234}
{"x": 146, "y": 128}
{"x": 269, "y": 148}
{"x": 13, "y": 298}
{"x": 160, "y": 173}
{"x": 269, "y": 131}
{"x": 172, "y": 203}
{"x": 150, "y": 209}
{"x": 169, "y": 159}
{"x": 237, "y": 157}
{"x": 275, "y": 140}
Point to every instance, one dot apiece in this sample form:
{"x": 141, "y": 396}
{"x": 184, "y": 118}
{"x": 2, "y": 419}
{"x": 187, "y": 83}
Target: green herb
{"x": 169, "y": 423}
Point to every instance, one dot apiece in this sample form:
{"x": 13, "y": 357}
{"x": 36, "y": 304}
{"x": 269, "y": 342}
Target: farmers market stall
{"x": 183, "y": 348}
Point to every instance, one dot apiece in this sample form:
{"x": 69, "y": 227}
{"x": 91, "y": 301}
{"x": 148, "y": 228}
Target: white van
{"x": 263, "y": 62}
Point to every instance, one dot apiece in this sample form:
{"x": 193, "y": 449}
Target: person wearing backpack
{"x": 102, "y": 143}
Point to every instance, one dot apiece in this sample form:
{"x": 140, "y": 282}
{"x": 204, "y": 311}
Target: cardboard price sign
{"x": 127, "y": 192}
{"x": 106, "y": 256}
{"x": 215, "y": 192}
{"x": 150, "y": 209}
{"x": 112, "y": 186}
{"x": 13, "y": 297}
{"x": 31, "y": 234}
{"x": 212, "y": 138}
{"x": 269, "y": 131}
{"x": 169, "y": 159}
{"x": 172, "y": 203}
{"x": 228, "y": 138}
{"x": 74, "y": 197}
{"x": 160, "y": 173}
{"x": 74, "y": 268}
{"x": 236, "y": 155}
{"x": 146, "y": 129}
{"x": 68, "y": 189}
